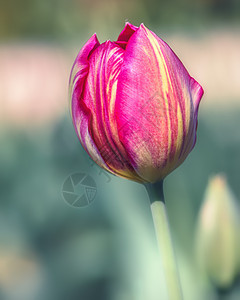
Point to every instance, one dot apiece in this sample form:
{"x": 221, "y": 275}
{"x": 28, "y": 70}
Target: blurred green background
{"x": 107, "y": 250}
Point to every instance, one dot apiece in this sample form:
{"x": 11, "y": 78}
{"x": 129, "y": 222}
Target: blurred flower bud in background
{"x": 217, "y": 237}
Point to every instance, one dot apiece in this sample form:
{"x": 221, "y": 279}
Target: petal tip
{"x": 94, "y": 36}
{"x": 142, "y": 26}
{"x": 127, "y": 32}
{"x": 197, "y": 92}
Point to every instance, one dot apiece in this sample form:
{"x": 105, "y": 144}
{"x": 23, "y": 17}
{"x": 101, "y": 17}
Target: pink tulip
{"x": 134, "y": 105}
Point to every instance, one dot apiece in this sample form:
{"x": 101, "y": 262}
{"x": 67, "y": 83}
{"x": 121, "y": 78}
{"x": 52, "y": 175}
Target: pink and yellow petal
{"x": 154, "y": 87}
{"x": 79, "y": 70}
{"x": 77, "y": 81}
{"x": 99, "y": 98}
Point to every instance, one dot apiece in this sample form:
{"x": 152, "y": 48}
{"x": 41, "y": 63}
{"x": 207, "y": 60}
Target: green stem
{"x": 160, "y": 219}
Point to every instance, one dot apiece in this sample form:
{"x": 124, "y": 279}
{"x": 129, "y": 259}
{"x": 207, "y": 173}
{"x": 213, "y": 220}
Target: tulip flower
{"x": 217, "y": 237}
{"x": 134, "y": 108}
{"x": 134, "y": 105}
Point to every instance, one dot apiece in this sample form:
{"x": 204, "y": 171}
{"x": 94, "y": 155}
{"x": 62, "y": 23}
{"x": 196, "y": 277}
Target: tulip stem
{"x": 162, "y": 230}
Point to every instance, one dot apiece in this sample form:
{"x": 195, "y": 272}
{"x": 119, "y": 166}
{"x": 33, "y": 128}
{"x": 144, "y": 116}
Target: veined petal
{"x": 80, "y": 70}
{"x": 77, "y": 80}
{"x": 127, "y": 32}
{"x": 154, "y": 106}
{"x": 97, "y": 118}
{"x": 125, "y": 35}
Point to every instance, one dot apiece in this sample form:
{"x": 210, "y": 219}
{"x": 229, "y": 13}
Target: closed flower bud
{"x": 217, "y": 238}
{"x": 134, "y": 105}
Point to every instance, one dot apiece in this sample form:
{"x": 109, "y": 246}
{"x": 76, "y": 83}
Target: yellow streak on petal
{"x": 179, "y": 136}
{"x": 166, "y": 82}
{"x": 113, "y": 97}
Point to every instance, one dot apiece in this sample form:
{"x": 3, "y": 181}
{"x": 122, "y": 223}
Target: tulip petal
{"x": 97, "y": 122}
{"x": 125, "y": 35}
{"x": 154, "y": 107}
{"x": 127, "y": 32}
{"x": 80, "y": 67}
{"x": 77, "y": 81}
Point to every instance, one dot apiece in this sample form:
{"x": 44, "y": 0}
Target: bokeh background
{"x": 50, "y": 250}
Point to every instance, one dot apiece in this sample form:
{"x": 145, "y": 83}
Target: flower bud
{"x": 134, "y": 106}
{"x": 217, "y": 238}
